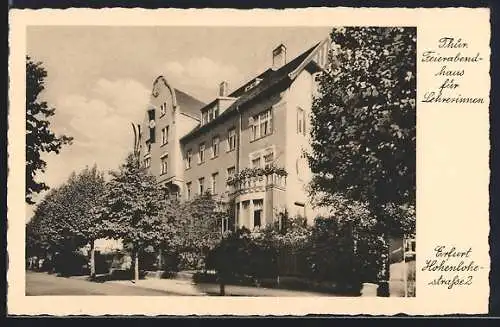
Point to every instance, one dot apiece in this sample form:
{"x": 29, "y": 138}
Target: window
{"x": 268, "y": 160}
{"x": 261, "y": 125}
{"x": 231, "y": 139}
{"x": 201, "y": 153}
{"x": 215, "y": 146}
{"x": 201, "y": 185}
{"x": 147, "y": 162}
{"x": 164, "y": 164}
{"x": 231, "y": 171}
{"x": 211, "y": 114}
{"x": 410, "y": 245}
{"x": 214, "y": 182}
{"x": 255, "y": 129}
{"x": 189, "y": 158}
{"x": 204, "y": 118}
{"x": 254, "y": 83}
{"x": 256, "y": 163}
{"x": 265, "y": 123}
{"x": 164, "y": 135}
{"x": 257, "y": 213}
{"x": 148, "y": 147}
{"x": 188, "y": 190}
{"x": 163, "y": 108}
{"x": 301, "y": 122}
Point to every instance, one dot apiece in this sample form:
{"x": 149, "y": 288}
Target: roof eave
{"x": 292, "y": 75}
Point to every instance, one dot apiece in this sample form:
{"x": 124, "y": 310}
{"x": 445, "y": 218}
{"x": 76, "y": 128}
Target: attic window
{"x": 210, "y": 115}
{"x": 253, "y": 84}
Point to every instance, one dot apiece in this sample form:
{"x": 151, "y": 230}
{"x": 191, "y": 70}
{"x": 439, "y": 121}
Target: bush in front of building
{"x": 339, "y": 252}
{"x": 259, "y": 254}
{"x": 345, "y": 247}
{"x": 71, "y": 263}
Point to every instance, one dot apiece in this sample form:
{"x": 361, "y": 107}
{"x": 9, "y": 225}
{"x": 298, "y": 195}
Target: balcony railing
{"x": 256, "y": 180}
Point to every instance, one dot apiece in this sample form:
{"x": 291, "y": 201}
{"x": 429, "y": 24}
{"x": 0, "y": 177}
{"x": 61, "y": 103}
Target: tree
{"x": 64, "y": 220}
{"x": 200, "y": 223}
{"x": 42, "y": 231}
{"x": 132, "y": 209}
{"x": 83, "y": 198}
{"x": 364, "y": 121}
{"x": 344, "y": 246}
{"x": 39, "y": 137}
{"x": 231, "y": 256}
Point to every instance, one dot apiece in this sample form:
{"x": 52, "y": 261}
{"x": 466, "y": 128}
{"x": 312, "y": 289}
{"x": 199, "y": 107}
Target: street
{"x": 45, "y": 284}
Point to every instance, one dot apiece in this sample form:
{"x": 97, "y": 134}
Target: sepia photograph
{"x": 221, "y": 161}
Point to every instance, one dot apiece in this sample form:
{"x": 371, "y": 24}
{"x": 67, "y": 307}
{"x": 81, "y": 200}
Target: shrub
{"x": 346, "y": 247}
{"x": 71, "y": 264}
{"x": 257, "y": 253}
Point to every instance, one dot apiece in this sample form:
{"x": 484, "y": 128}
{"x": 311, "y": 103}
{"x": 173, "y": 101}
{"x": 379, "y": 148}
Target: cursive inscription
{"x": 454, "y": 57}
{"x": 453, "y": 267}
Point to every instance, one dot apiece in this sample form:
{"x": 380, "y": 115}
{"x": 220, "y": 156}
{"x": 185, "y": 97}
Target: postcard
{"x": 248, "y": 162}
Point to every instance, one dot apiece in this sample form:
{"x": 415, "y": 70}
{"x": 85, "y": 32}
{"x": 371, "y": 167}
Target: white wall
{"x": 299, "y": 174}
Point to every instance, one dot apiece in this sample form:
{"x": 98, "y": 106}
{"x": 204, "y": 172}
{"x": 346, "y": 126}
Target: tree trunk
{"x": 160, "y": 257}
{"x": 92, "y": 259}
{"x": 383, "y": 289}
{"x": 383, "y": 230}
{"x": 136, "y": 266}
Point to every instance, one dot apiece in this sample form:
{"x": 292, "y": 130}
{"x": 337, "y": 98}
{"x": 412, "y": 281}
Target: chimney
{"x": 223, "y": 89}
{"x": 279, "y": 57}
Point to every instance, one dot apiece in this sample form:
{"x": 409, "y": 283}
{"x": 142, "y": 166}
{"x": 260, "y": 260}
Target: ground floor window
{"x": 257, "y": 216}
{"x": 257, "y": 213}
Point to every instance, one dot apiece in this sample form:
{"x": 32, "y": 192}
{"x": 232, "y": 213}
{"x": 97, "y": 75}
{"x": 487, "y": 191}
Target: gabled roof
{"x": 189, "y": 105}
{"x": 270, "y": 79}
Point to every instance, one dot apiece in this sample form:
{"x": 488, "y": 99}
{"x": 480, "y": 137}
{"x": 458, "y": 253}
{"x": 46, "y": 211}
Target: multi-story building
{"x": 249, "y": 136}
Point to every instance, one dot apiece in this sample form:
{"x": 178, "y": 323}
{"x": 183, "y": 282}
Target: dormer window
{"x": 189, "y": 158}
{"x": 204, "y": 118}
{"x": 253, "y": 84}
{"x": 209, "y": 115}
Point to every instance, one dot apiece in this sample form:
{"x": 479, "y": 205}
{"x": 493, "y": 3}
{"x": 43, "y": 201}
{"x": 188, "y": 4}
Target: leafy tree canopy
{"x": 363, "y": 121}
{"x": 200, "y": 222}
{"x": 64, "y": 219}
{"x": 134, "y": 207}
{"x": 39, "y": 137}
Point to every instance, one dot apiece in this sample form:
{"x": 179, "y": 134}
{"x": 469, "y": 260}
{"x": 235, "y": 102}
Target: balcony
{"x": 251, "y": 180}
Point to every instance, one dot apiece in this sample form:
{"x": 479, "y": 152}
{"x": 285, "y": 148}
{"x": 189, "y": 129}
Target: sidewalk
{"x": 187, "y": 288}
{"x": 174, "y": 286}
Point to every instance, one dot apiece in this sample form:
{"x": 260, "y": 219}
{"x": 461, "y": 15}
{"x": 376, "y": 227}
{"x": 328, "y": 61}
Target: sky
{"x": 100, "y": 77}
